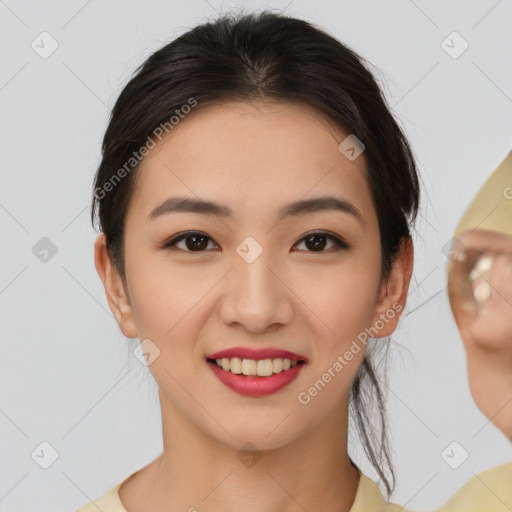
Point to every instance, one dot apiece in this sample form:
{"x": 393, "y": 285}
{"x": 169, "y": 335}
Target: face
{"x": 253, "y": 278}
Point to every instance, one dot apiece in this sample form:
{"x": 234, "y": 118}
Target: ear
{"x": 393, "y": 291}
{"x": 117, "y": 296}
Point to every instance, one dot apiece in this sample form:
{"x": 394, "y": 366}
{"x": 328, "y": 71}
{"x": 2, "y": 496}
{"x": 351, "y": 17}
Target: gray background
{"x": 69, "y": 377}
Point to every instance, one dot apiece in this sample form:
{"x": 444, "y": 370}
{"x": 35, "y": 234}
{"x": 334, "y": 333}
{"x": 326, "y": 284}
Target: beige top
{"x": 491, "y": 208}
{"x": 488, "y": 491}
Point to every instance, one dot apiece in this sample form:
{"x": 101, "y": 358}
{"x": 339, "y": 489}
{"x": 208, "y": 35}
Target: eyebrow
{"x": 300, "y": 207}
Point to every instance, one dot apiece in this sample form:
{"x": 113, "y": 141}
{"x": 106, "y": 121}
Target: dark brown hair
{"x": 267, "y": 56}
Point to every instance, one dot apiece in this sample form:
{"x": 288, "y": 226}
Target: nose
{"x": 257, "y": 296}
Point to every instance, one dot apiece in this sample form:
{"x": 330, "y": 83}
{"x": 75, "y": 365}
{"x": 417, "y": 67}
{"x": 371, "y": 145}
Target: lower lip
{"x": 254, "y": 385}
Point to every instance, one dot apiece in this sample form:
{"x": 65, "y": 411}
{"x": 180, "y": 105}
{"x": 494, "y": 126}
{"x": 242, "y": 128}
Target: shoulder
{"x": 488, "y": 490}
{"x": 369, "y": 497}
{"x": 108, "y": 502}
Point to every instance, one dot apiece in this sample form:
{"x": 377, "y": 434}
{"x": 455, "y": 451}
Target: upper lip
{"x": 257, "y": 354}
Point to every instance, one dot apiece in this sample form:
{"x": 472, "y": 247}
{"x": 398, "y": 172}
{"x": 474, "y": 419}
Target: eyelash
{"x": 340, "y": 244}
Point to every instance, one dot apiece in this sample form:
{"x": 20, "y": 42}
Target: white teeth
{"x": 248, "y": 367}
{"x": 262, "y": 368}
{"x": 235, "y": 365}
{"x": 277, "y": 365}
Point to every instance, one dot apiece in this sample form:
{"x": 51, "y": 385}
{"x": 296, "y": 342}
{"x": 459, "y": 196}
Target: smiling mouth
{"x": 253, "y": 367}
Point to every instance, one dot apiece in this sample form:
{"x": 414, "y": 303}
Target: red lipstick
{"x": 255, "y": 385}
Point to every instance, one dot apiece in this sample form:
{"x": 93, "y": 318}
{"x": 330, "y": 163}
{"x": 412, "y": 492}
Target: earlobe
{"x": 393, "y": 292}
{"x": 118, "y": 299}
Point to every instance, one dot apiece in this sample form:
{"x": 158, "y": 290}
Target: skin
{"x": 254, "y": 158}
{"x": 486, "y": 327}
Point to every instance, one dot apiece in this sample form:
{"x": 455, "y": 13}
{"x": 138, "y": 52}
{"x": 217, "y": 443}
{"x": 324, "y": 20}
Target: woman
{"x": 255, "y": 199}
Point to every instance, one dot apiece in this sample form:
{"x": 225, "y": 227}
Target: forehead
{"x": 265, "y": 153}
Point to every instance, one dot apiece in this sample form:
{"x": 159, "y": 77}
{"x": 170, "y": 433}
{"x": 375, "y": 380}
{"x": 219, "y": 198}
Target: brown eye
{"x": 316, "y": 242}
{"x": 194, "y": 241}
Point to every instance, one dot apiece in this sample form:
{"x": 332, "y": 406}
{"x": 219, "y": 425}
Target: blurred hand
{"x": 480, "y": 294}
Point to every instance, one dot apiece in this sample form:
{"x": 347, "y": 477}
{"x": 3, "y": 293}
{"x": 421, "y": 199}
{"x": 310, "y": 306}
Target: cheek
{"x": 342, "y": 297}
{"x": 165, "y": 295}
{"x": 343, "y": 308}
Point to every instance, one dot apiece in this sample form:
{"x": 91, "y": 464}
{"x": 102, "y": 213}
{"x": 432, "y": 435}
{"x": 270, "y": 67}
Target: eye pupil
{"x": 320, "y": 245}
{"x": 202, "y": 245}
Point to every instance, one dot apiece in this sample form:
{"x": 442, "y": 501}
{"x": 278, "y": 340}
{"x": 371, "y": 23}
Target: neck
{"x": 197, "y": 472}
